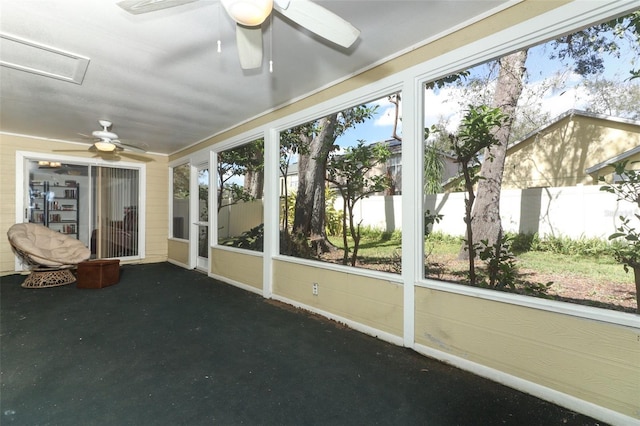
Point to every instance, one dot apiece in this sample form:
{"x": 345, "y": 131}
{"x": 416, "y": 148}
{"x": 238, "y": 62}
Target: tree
{"x": 433, "y": 170}
{"x": 586, "y": 49}
{"x": 486, "y": 223}
{"x": 315, "y": 141}
{"x": 254, "y": 174}
{"x": 476, "y": 133}
{"x": 628, "y": 252}
{"x": 353, "y": 174}
{"x": 236, "y": 163}
{"x": 613, "y": 98}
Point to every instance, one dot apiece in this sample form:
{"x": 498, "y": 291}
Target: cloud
{"x": 387, "y": 116}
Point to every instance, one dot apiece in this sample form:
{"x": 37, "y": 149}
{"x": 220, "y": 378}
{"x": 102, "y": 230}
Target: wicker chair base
{"x": 48, "y": 277}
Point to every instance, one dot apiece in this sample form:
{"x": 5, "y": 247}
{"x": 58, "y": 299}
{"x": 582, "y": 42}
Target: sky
{"x": 444, "y": 104}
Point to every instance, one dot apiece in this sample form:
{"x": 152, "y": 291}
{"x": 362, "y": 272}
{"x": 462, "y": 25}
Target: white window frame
{"x": 22, "y": 157}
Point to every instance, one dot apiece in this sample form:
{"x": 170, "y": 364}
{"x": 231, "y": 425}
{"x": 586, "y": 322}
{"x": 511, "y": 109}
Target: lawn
{"x": 588, "y": 280}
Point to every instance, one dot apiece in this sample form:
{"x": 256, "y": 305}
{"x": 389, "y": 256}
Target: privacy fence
{"x": 575, "y": 212}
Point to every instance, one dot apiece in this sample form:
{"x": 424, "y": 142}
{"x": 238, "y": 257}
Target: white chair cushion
{"x": 47, "y": 247}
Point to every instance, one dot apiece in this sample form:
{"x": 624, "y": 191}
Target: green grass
{"x": 598, "y": 268}
{"x": 380, "y": 247}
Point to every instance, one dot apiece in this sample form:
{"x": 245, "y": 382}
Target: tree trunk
{"x": 486, "y": 222}
{"x": 254, "y": 183}
{"x": 310, "y": 200}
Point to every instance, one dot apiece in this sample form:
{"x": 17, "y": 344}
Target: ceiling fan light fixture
{"x": 248, "y": 12}
{"x": 104, "y": 146}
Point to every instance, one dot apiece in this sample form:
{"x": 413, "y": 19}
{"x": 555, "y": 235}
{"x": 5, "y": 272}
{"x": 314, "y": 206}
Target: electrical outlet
{"x": 315, "y": 289}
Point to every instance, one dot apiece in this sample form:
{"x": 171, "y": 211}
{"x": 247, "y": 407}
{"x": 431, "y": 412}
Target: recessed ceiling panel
{"x": 43, "y": 60}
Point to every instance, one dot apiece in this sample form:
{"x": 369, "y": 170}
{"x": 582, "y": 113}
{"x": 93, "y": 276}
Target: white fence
{"x": 237, "y": 218}
{"x": 575, "y": 212}
{"x": 580, "y": 211}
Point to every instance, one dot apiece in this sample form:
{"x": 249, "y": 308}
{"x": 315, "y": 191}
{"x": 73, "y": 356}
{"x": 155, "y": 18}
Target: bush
{"x": 593, "y": 247}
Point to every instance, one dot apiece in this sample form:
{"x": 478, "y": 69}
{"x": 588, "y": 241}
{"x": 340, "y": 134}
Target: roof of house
{"x": 571, "y": 113}
{"x": 613, "y": 160}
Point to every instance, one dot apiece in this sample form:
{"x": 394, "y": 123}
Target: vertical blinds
{"x": 115, "y": 218}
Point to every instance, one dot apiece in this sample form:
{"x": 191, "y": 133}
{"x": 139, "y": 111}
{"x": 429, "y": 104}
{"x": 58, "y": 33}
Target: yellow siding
{"x": 178, "y": 251}
{"x": 594, "y": 361}
{"x": 156, "y": 193}
{"x": 560, "y": 154}
{"x": 369, "y": 301}
{"x": 157, "y": 211}
{"x": 239, "y": 267}
{"x": 7, "y": 203}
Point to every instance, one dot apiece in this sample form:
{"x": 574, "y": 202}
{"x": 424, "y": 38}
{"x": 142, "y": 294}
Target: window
{"x": 240, "y": 191}
{"x": 552, "y": 222}
{"x": 180, "y": 206}
{"x": 342, "y": 170}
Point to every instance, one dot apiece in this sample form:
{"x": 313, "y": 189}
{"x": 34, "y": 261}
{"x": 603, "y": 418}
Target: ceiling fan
{"x": 107, "y": 141}
{"x": 250, "y": 14}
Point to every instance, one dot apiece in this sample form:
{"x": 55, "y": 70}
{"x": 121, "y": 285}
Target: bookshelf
{"x": 56, "y": 206}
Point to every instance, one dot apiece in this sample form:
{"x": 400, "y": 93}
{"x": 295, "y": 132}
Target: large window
{"x": 240, "y": 173}
{"x": 340, "y": 180}
{"x": 513, "y": 152}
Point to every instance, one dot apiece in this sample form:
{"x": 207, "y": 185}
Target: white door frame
{"x": 197, "y": 261}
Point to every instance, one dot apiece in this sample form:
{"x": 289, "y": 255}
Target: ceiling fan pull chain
{"x": 271, "y": 44}
{"x": 219, "y": 25}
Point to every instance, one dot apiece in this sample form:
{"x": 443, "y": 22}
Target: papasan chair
{"x": 49, "y": 255}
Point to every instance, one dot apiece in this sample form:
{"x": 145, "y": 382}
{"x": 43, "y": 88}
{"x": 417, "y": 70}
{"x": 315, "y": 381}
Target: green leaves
{"x": 627, "y": 189}
{"x": 353, "y": 174}
{"x": 476, "y": 132}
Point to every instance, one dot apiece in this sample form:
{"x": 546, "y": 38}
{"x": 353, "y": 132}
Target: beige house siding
{"x": 178, "y": 252}
{"x": 594, "y": 361}
{"x": 238, "y": 267}
{"x": 156, "y": 193}
{"x": 559, "y": 155}
{"x": 372, "y": 302}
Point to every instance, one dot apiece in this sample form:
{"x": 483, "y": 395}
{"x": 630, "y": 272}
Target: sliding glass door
{"x": 97, "y": 204}
{"x": 115, "y": 225}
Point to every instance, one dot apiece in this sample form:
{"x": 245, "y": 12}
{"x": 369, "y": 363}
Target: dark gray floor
{"x": 166, "y": 346}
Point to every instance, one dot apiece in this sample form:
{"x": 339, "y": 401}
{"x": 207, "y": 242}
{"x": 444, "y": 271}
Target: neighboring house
{"x": 392, "y": 167}
{"x": 574, "y": 149}
{"x": 291, "y": 180}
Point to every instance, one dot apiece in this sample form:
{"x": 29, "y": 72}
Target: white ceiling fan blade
{"x": 249, "y": 44}
{"x": 320, "y": 21}
{"x": 130, "y": 147}
{"x": 137, "y": 7}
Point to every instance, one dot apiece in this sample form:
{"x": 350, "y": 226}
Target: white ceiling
{"x": 158, "y": 76}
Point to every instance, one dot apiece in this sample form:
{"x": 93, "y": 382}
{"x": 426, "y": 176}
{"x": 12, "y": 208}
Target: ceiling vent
{"x": 35, "y": 58}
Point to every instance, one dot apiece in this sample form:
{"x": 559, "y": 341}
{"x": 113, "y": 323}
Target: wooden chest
{"x": 98, "y": 273}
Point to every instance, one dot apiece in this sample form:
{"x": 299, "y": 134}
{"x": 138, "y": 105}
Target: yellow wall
{"x": 178, "y": 251}
{"x": 239, "y": 267}
{"x": 373, "y": 302}
{"x": 560, "y": 154}
{"x": 156, "y": 193}
{"x": 594, "y": 361}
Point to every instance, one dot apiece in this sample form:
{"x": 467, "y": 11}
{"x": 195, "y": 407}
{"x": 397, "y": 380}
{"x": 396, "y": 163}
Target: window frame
{"x": 22, "y": 177}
